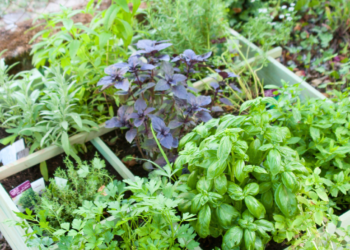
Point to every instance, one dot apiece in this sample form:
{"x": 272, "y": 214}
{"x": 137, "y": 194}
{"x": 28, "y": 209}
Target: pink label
{"x": 20, "y": 189}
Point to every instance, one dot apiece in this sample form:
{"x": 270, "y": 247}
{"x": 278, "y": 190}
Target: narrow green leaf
{"x": 44, "y": 171}
{"x": 203, "y": 221}
{"x": 224, "y": 148}
{"x": 68, "y": 24}
{"x": 273, "y": 161}
{"x": 65, "y": 143}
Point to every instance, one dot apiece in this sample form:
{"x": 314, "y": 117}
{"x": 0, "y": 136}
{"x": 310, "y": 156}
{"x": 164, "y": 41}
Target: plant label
{"x": 38, "y": 186}
{"x": 61, "y": 182}
{"x": 23, "y": 196}
{"x": 9, "y": 154}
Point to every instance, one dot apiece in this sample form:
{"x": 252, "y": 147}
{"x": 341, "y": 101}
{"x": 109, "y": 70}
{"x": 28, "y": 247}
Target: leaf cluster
{"x": 320, "y": 134}
{"x": 159, "y": 93}
{"x": 83, "y": 184}
{"x": 243, "y": 179}
{"x": 187, "y": 23}
{"x": 148, "y": 219}
{"x": 44, "y": 109}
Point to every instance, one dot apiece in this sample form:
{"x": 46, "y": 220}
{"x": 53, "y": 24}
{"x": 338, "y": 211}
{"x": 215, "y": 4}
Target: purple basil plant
{"x": 157, "y": 94}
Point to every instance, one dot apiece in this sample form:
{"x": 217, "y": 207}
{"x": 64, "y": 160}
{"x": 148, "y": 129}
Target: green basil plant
{"x": 321, "y": 135}
{"x": 244, "y": 180}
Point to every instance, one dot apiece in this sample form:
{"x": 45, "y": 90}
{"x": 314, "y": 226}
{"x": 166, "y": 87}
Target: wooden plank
{"x": 13, "y": 235}
{"x": 275, "y": 72}
{"x": 110, "y": 156}
{"x": 48, "y": 153}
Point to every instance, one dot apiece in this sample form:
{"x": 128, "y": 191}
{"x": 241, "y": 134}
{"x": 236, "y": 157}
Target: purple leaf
{"x": 162, "y": 85}
{"x": 175, "y": 59}
{"x": 179, "y": 91}
{"x": 140, "y": 105}
{"x": 112, "y": 69}
{"x": 167, "y": 68}
{"x": 226, "y": 101}
{"x": 162, "y": 46}
{"x": 157, "y": 123}
{"x": 147, "y": 67}
{"x": 141, "y": 44}
{"x": 215, "y": 85}
{"x": 203, "y": 116}
{"x": 216, "y": 109}
{"x": 175, "y": 143}
{"x": 138, "y": 121}
{"x": 105, "y": 81}
{"x": 148, "y": 110}
{"x": 175, "y": 124}
{"x": 179, "y": 78}
{"x": 113, "y": 123}
{"x": 123, "y": 85}
{"x": 130, "y": 135}
{"x": 167, "y": 141}
{"x": 234, "y": 87}
{"x": 164, "y": 58}
{"x": 203, "y": 100}
{"x": 205, "y": 56}
{"x": 189, "y": 53}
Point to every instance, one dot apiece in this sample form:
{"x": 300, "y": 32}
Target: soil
{"x": 3, "y": 244}
{"x": 122, "y": 148}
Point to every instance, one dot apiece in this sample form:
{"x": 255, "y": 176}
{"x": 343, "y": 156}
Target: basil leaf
{"x": 216, "y": 169}
{"x": 286, "y": 201}
{"x": 251, "y": 189}
{"x": 249, "y": 239}
{"x": 255, "y": 207}
{"x": 273, "y": 161}
{"x": 186, "y": 201}
{"x": 196, "y": 203}
{"x": 225, "y": 214}
{"x": 290, "y": 181}
{"x": 232, "y": 238}
{"x": 192, "y": 179}
{"x": 220, "y": 184}
{"x": 235, "y": 191}
{"x": 224, "y": 149}
{"x": 204, "y": 185}
{"x": 253, "y": 152}
{"x": 238, "y": 170}
{"x": 203, "y": 222}
{"x": 264, "y": 187}
{"x": 259, "y": 245}
{"x": 267, "y": 200}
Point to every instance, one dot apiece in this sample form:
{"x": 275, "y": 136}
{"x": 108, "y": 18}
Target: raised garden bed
{"x": 272, "y": 74}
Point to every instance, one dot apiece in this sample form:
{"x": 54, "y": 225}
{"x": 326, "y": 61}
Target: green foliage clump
{"x": 244, "y": 178}
{"x": 320, "y": 134}
{"x": 82, "y": 50}
{"x": 186, "y": 23}
{"x": 148, "y": 219}
{"x": 45, "y": 109}
{"x": 83, "y": 184}
{"x": 28, "y": 198}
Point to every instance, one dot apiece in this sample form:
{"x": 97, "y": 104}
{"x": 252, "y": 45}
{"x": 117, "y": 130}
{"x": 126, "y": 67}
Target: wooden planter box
{"x": 273, "y": 73}
{"x": 13, "y": 235}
